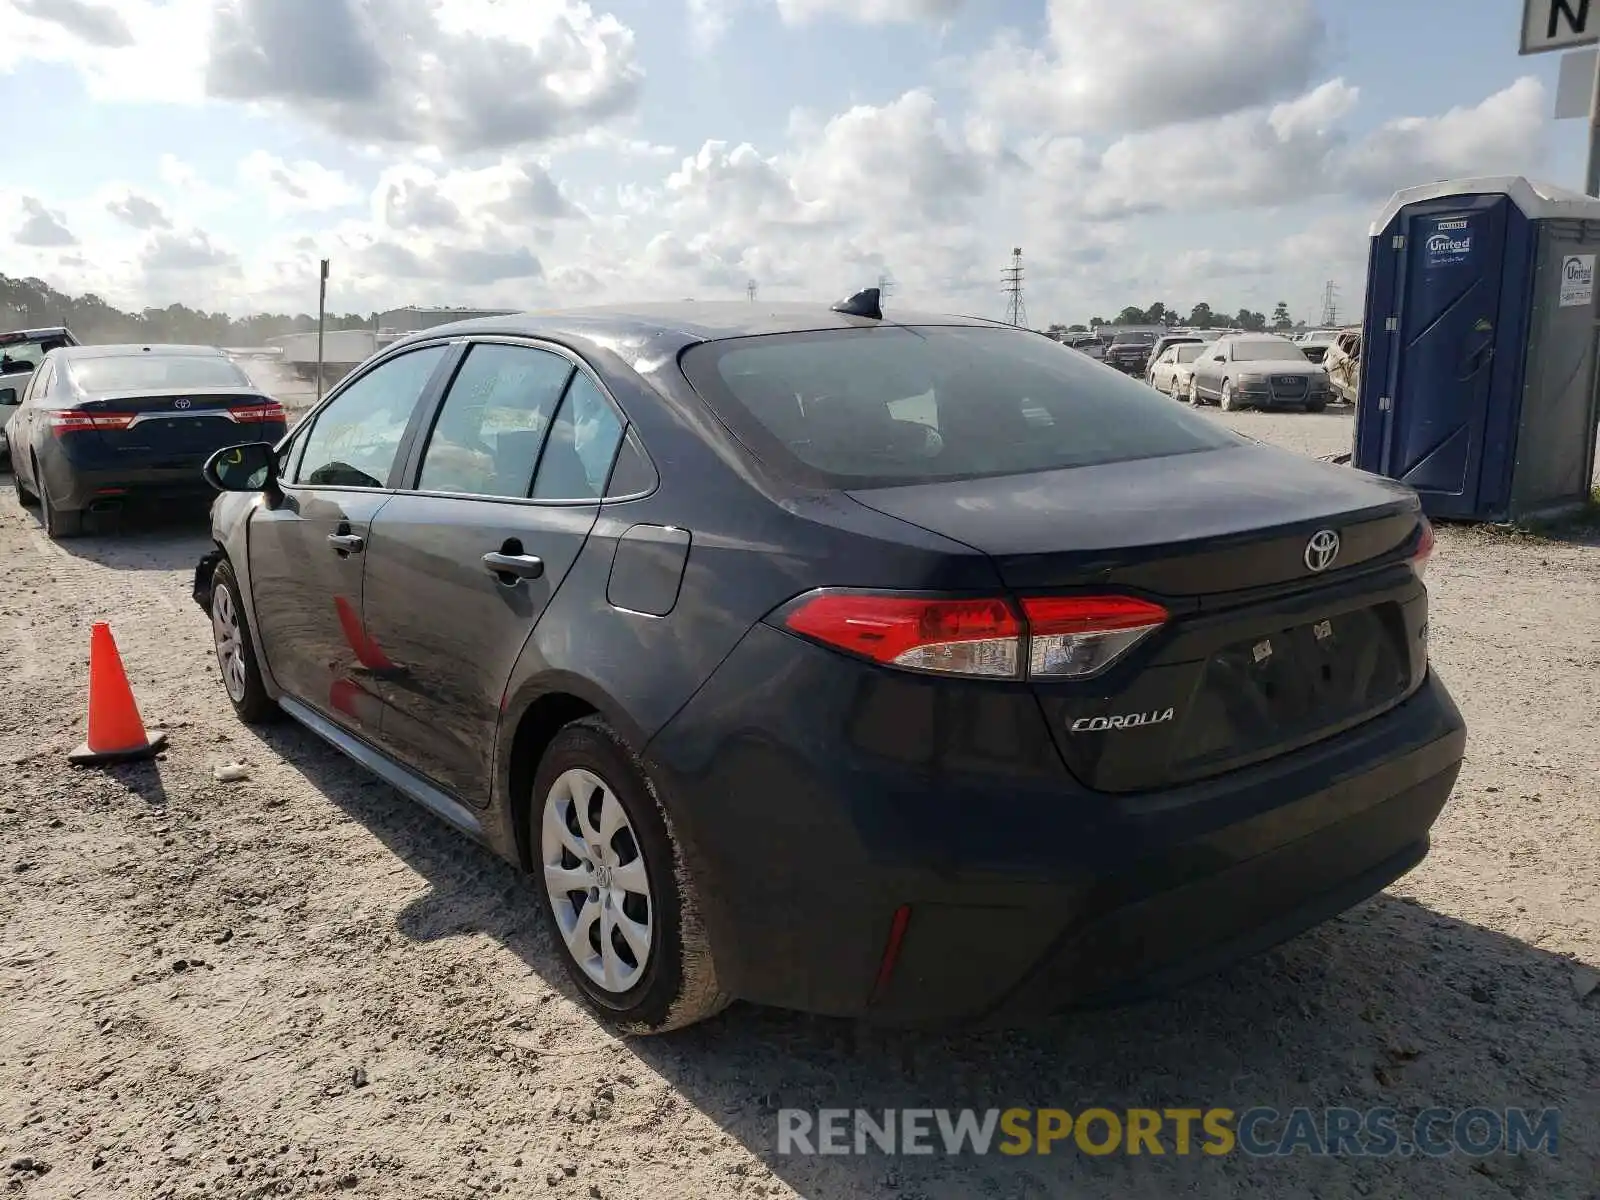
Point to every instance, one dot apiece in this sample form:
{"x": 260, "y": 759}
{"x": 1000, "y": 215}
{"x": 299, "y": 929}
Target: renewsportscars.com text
{"x": 1261, "y": 1132}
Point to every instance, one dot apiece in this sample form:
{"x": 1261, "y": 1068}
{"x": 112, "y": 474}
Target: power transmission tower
{"x": 1011, "y": 278}
{"x": 885, "y": 287}
{"x": 750, "y": 290}
{"x": 1330, "y": 305}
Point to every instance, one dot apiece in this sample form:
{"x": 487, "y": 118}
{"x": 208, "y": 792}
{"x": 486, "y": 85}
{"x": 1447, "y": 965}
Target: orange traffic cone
{"x": 116, "y": 734}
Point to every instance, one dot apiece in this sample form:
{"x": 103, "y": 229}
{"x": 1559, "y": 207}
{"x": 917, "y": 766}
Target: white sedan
{"x": 1171, "y": 372}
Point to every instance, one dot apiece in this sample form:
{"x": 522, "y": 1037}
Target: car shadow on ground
{"x": 166, "y": 537}
{"x": 1390, "y": 1005}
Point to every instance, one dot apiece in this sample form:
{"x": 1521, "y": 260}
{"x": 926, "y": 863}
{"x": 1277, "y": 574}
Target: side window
{"x": 356, "y": 437}
{"x": 634, "y": 473}
{"x": 493, "y": 421}
{"x": 39, "y": 385}
{"x": 582, "y": 444}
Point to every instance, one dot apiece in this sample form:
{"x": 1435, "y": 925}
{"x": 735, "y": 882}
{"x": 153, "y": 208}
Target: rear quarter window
{"x": 890, "y": 405}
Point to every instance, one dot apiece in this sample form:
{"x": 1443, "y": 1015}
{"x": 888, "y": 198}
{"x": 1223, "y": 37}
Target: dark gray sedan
{"x": 1258, "y": 370}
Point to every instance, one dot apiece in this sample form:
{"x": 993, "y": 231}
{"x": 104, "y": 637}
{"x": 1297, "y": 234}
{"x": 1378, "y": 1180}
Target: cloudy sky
{"x": 538, "y": 152}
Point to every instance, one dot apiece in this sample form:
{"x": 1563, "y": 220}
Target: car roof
{"x": 681, "y": 323}
{"x": 126, "y": 350}
{"x": 13, "y": 336}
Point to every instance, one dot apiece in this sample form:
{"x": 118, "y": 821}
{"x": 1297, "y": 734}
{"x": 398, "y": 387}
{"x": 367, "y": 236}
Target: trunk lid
{"x": 167, "y": 428}
{"x": 1261, "y": 653}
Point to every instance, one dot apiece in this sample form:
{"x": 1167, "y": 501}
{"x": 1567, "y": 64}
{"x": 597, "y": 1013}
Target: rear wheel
{"x": 58, "y": 522}
{"x": 619, "y": 901}
{"x": 236, "y": 651}
{"x": 25, "y": 497}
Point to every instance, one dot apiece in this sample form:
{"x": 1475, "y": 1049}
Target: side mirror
{"x": 1219, "y": 358}
{"x": 9, "y": 396}
{"x": 252, "y": 467}
{"x": 16, "y": 366}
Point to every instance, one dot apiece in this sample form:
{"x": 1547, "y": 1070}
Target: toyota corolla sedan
{"x": 921, "y": 671}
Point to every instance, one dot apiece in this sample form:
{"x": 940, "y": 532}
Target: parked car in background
{"x": 1165, "y": 340}
{"x": 1314, "y": 343}
{"x": 20, "y": 353}
{"x": 1258, "y": 370}
{"x": 102, "y": 425}
{"x": 728, "y": 623}
{"x": 1172, "y": 369}
{"x": 1129, "y": 351}
{"x": 1343, "y": 364}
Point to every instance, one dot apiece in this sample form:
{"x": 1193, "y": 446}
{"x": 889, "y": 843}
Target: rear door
{"x": 461, "y": 567}
{"x": 308, "y": 552}
{"x": 1440, "y": 373}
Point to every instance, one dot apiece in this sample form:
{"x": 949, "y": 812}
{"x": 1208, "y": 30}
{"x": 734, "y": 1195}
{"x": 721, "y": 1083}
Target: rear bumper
{"x": 75, "y": 488}
{"x": 1027, "y": 893}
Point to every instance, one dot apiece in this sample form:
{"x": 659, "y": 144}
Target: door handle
{"x": 523, "y": 566}
{"x": 347, "y": 543}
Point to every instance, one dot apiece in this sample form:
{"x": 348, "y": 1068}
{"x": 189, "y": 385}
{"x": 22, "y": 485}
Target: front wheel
{"x": 236, "y": 651}
{"x": 1194, "y": 392}
{"x": 1229, "y": 403}
{"x": 618, "y": 897}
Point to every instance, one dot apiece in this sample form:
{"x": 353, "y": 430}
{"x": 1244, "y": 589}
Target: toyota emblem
{"x": 183, "y": 403}
{"x": 1322, "y": 549}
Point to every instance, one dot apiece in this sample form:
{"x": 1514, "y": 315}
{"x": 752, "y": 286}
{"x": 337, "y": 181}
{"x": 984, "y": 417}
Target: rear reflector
{"x": 1057, "y": 637}
{"x": 1424, "y": 550}
{"x": 77, "y": 420}
{"x": 891, "y": 950}
{"x": 269, "y": 410}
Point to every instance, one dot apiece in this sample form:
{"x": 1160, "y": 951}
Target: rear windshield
{"x": 1134, "y": 339}
{"x": 1267, "y": 352}
{"x": 891, "y": 405}
{"x": 140, "y": 372}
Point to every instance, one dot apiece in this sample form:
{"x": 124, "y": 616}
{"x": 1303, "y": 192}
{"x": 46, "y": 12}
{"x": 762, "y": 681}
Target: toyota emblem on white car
{"x": 1322, "y": 549}
{"x": 182, "y": 403}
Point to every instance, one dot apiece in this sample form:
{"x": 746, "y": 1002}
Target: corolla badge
{"x": 1322, "y": 549}
{"x": 1123, "y": 721}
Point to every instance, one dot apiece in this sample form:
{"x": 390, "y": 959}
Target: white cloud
{"x": 136, "y": 210}
{"x": 466, "y": 75}
{"x": 42, "y": 227}
{"x": 115, "y": 47}
{"x": 871, "y": 12}
{"x": 1107, "y": 67}
{"x": 302, "y": 186}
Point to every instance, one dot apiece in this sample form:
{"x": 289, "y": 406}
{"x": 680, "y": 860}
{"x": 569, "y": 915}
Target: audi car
{"x": 920, "y": 670}
{"x": 100, "y": 426}
{"x": 1258, "y": 370}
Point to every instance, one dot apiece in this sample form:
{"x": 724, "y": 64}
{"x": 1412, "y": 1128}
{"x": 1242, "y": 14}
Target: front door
{"x": 308, "y": 553}
{"x": 1441, "y": 373}
{"x": 460, "y": 570}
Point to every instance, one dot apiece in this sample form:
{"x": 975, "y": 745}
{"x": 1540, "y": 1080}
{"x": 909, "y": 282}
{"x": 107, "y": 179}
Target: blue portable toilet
{"x": 1478, "y": 347}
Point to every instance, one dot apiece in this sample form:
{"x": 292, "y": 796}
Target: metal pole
{"x": 322, "y": 316}
{"x": 1591, "y": 174}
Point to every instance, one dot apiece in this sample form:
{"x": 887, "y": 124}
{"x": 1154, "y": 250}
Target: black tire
{"x": 1229, "y": 402}
{"x": 1316, "y": 405}
{"x": 678, "y": 985}
{"x": 25, "y": 497}
{"x": 58, "y": 522}
{"x": 252, "y": 704}
{"x": 1194, "y": 394}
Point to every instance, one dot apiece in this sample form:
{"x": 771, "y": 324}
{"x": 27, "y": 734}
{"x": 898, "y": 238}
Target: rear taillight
{"x": 78, "y": 420}
{"x": 1424, "y": 550}
{"x": 1066, "y": 637}
{"x": 245, "y": 414}
{"x": 958, "y": 637}
{"x": 1073, "y": 636}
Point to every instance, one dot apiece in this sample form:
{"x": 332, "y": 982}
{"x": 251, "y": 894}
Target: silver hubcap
{"x": 595, "y": 876}
{"x": 230, "y": 642}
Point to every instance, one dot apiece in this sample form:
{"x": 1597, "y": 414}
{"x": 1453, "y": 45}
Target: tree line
{"x": 32, "y": 303}
{"x": 1201, "y": 316}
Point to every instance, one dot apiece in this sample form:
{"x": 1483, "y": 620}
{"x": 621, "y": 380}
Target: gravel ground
{"x": 298, "y": 982}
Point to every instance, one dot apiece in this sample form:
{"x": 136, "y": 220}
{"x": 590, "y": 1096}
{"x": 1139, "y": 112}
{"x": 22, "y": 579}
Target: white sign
{"x": 1575, "y": 83}
{"x": 1577, "y": 280}
{"x": 1559, "y": 24}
